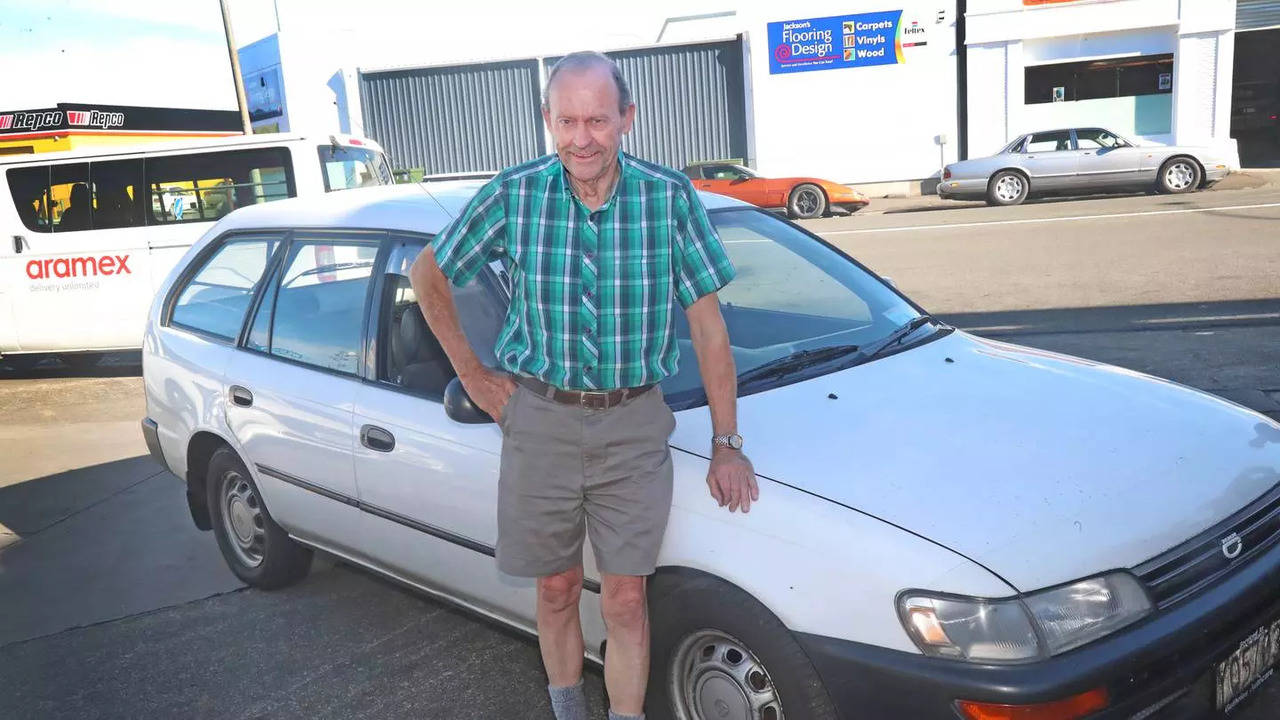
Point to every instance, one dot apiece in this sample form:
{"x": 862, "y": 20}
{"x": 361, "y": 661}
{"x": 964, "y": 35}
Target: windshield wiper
{"x": 900, "y": 334}
{"x": 794, "y": 362}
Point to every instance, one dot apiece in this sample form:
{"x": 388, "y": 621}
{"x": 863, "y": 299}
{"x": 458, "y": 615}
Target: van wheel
{"x": 256, "y": 549}
{"x": 1007, "y": 188}
{"x": 1178, "y": 175}
{"x": 807, "y": 201}
{"x": 716, "y": 652}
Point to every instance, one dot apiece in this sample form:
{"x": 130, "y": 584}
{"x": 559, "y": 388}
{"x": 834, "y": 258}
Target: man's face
{"x": 582, "y": 115}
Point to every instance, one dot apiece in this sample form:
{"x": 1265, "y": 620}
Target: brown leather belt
{"x": 583, "y": 399}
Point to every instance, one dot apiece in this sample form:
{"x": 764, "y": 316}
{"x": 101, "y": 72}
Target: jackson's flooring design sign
{"x": 842, "y": 41}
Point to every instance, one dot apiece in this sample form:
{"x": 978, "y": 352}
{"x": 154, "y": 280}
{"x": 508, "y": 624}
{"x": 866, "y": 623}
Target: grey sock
{"x": 615, "y": 716}
{"x": 569, "y": 703}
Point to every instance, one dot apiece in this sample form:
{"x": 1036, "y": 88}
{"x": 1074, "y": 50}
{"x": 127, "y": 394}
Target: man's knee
{"x": 623, "y": 601}
{"x": 561, "y": 591}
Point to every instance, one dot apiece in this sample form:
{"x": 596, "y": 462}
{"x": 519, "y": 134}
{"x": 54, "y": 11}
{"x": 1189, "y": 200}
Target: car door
{"x": 1051, "y": 160}
{"x": 429, "y": 484}
{"x": 291, "y": 387}
{"x": 1106, "y": 160}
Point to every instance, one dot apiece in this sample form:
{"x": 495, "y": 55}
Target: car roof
{"x": 416, "y": 207}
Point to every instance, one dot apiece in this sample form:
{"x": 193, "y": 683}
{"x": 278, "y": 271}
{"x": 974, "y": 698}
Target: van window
{"x": 200, "y": 187}
{"x": 319, "y": 304}
{"x": 29, "y": 186}
{"x": 215, "y": 300}
{"x": 70, "y": 199}
{"x": 117, "y": 193}
{"x": 352, "y": 167}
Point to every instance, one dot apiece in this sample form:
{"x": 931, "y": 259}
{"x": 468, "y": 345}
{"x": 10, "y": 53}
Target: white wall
{"x": 849, "y": 125}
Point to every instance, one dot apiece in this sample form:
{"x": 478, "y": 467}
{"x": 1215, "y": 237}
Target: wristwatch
{"x": 730, "y": 441}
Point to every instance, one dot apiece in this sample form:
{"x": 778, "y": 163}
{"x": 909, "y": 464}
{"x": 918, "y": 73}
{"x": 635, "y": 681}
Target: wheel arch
{"x": 1026, "y": 176}
{"x": 200, "y": 448}
{"x": 1187, "y": 156}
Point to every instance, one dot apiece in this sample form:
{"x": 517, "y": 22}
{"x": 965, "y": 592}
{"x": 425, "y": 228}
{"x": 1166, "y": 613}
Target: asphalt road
{"x": 114, "y": 605}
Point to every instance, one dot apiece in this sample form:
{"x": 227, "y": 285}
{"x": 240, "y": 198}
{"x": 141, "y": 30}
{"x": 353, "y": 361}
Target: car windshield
{"x": 792, "y": 293}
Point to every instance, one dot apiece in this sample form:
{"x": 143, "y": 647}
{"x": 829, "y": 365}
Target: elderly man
{"x": 600, "y": 246}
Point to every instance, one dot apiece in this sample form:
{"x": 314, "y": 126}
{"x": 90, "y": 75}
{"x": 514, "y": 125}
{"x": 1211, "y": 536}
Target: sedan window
{"x": 1094, "y": 138}
{"x": 1050, "y": 141}
{"x": 409, "y": 355}
{"x": 315, "y": 316}
{"x": 216, "y": 298}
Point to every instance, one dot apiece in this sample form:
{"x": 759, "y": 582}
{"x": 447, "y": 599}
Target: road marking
{"x": 1207, "y": 318}
{"x": 1045, "y": 220}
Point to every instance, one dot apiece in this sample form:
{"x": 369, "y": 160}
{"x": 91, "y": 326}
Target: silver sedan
{"x": 1079, "y": 160}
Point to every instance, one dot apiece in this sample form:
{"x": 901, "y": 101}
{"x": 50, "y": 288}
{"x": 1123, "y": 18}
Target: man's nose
{"x": 581, "y": 136}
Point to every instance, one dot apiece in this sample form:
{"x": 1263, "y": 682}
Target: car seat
{"x": 422, "y": 363}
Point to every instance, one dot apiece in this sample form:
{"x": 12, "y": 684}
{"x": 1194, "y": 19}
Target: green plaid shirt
{"x": 593, "y": 293}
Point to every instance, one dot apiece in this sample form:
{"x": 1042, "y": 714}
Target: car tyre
{"x": 1178, "y": 175}
{"x": 256, "y": 549}
{"x": 713, "y": 647}
{"x": 807, "y": 201}
{"x": 1007, "y": 187}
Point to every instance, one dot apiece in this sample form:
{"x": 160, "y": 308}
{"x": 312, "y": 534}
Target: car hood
{"x": 827, "y": 184}
{"x": 1044, "y": 468}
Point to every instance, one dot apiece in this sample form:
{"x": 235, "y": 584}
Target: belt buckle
{"x": 588, "y": 401}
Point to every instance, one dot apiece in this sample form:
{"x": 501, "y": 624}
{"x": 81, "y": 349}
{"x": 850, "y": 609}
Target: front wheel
{"x": 1007, "y": 188}
{"x": 1179, "y": 175}
{"x": 717, "y": 654}
{"x": 807, "y": 201}
{"x": 256, "y": 549}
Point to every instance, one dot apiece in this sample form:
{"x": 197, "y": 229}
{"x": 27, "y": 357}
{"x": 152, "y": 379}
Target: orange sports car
{"x": 803, "y": 197}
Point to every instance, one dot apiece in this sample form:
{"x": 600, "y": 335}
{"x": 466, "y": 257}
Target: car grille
{"x": 1195, "y": 564}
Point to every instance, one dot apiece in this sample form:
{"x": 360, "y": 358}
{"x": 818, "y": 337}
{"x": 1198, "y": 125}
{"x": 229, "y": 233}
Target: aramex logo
{"x": 78, "y": 267}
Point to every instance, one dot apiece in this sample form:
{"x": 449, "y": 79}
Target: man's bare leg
{"x": 626, "y": 663}
{"x": 560, "y": 639}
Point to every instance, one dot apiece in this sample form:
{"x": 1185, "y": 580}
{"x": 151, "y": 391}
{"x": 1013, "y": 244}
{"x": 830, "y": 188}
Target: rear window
{"x": 346, "y": 167}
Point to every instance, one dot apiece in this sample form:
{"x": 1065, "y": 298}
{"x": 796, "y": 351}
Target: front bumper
{"x": 956, "y": 188}
{"x": 1168, "y": 657}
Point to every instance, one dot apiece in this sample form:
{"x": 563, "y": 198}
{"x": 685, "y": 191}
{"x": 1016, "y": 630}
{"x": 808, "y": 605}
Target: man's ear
{"x": 628, "y": 118}
{"x": 546, "y": 116}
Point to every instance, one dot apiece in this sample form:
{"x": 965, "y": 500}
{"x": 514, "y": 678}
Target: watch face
{"x": 735, "y": 442}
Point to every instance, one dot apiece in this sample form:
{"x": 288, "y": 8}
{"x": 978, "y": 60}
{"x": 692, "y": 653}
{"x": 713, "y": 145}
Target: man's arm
{"x": 731, "y": 478}
{"x": 488, "y": 389}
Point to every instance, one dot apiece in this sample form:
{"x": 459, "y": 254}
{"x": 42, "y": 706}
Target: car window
{"x": 216, "y": 298}
{"x": 1049, "y": 141}
{"x": 792, "y": 292}
{"x": 199, "y": 187}
{"x": 315, "y": 313}
{"x": 1094, "y": 138}
{"x": 345, "y": 167}
{"x": 409, "y": 356}
{"x": 721, "y": 172}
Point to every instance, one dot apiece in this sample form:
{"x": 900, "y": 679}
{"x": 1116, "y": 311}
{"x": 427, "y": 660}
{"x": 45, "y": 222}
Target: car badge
{"x": 1232, "y": 545}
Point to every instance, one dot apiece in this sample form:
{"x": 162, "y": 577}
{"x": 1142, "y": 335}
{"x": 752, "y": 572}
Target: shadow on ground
{"x": 40, "y": 367}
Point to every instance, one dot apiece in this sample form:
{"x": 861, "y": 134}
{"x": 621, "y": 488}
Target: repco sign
{"x": 78, "y": 267}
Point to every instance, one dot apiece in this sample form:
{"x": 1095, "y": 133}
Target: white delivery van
{"x": 87, "y": 236}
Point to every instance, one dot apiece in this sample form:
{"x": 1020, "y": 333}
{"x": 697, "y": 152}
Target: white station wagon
{"x": 947, "y": 526}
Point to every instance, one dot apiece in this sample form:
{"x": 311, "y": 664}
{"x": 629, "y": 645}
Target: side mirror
{"x": 738, "y": 180}
{"x": 458, "y": 405}
{"x": 889, "y": 280}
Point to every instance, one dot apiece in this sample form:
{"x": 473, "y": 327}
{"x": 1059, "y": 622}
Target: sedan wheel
{"x": 714, "y": 675}
{"x": 256, "y": 549}
{"x": 1179, "y": 175}
{"x": 1007, "y": 188}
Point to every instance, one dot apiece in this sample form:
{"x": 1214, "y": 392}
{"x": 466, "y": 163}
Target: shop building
{"x": 72, "y": 126}
{"x": 1158, "y": 71}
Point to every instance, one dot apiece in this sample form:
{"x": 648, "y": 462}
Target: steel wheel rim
{"x": 1009, "y": 187}
{"x": 714, "y": 676}
{"x": 807, "y": 201}
{"x": 242, "y": 519}
{"x": 1179, "y": 176}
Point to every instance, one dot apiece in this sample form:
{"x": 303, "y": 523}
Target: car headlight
{"x": 1024, "y": 628}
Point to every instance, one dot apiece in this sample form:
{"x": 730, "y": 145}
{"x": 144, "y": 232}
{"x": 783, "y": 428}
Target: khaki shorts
{"x": 567, "y": 470}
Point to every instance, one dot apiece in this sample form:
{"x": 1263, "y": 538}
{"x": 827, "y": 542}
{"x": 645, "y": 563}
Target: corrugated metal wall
{"x": 1255, "y": 14}
{"x": 690, "y": 102}
{"x": 691, "y": 105}
{"x": 462, "y": 118}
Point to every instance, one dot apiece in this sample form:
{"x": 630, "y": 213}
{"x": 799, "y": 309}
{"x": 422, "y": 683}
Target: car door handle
{"x": 18, "y": 243}
{"x": 1031, "y": 157}
{"x": 241, "y": 396}
{"x": 376, "y": 438}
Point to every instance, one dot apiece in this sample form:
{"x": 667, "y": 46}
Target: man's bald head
{"x": 586, "y": 61}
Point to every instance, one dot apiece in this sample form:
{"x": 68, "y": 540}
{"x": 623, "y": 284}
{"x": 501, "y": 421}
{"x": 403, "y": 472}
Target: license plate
{"x": 1252, "y": 664}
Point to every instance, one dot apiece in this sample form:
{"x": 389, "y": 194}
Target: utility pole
{"x": 235, "y": 69}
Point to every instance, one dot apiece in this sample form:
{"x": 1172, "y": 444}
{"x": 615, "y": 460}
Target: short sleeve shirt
{"x": 593, "y": 293}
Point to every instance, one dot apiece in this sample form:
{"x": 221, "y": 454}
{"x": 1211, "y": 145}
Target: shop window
{"x": 201, "y": 187}
{"x": 1096, "y": 79}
